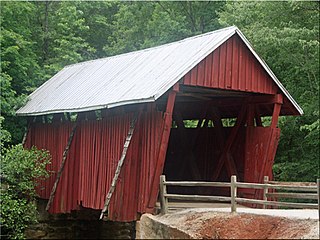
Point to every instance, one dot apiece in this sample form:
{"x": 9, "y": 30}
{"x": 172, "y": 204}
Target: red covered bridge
{"x": 215, "y": 79}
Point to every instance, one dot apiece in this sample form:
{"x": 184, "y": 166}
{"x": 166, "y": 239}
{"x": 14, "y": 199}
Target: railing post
{"x": 163, "y": 191}
{"x": 233, "y": 193}
{"x": 318, "y": 191}
{"x": 265, "y": 191}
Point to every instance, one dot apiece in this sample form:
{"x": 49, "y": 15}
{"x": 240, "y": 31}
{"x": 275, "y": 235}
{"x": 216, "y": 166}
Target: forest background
{"x": 39, "y": 38}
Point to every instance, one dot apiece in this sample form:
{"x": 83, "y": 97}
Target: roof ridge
{"x": 153, "y": 48}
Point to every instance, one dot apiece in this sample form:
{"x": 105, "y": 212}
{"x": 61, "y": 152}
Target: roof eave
{"x": 86, "y": 109}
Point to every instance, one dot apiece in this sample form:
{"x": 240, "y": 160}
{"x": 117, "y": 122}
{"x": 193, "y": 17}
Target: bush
{"x": 19, "y": 169}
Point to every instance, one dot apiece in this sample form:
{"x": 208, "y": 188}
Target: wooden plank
{"x": 265, "y": 190}
{"x": 269, "y": 158}
{"x": 231, "y": 165}
{"x": 197, "y": 184}
{"x": 198, "y": 197}
{"x": 297, "y": 184}
{"x": 229, "y": 141}
{"x": 163, "y": 192}
{"x": 201, "y": 73}
{"x": 187, "y": 78}
{"x": 235, "y": 63}
{"x": 283, "y": 187}
{"x": 64, "y": 158}
{"x": 280, "y": 204}
{"x": 194, "y": 76}
{"x": 229, "y": 63}
{"x": 233, "y": 193}
{"x": 275, "y": 115}
{"x": 292, "y": 195}
{"x": 222, "y": 65}
{"x": 162, "y": 147}
{"x": 208, "y": 67}
{"x": 276, "y": 110}
{"x": 215, "y": 68}
{"x": 120, "y": 163}
{"x": 242, "y": 67}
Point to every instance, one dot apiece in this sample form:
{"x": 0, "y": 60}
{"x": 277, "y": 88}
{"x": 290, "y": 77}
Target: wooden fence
{"x": 293, "y": 190}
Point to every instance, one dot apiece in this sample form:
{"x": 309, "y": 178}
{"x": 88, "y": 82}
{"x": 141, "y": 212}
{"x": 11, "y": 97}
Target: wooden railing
{"x": 309, "y": 191}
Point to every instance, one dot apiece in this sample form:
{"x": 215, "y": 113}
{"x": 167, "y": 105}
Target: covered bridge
{"x": 215, "y": 79}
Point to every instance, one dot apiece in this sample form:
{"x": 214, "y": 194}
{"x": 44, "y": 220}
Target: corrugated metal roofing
{"x": 135, "y": 77}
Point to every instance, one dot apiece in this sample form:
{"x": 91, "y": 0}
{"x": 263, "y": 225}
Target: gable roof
{"x": 135, "y": 77}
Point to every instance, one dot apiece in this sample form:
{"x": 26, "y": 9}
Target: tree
{"x": 286, "y": 35}
{"x": 140, "y": 25}
{"x": 19, "y": 168}
{"x": 19, "y": 67}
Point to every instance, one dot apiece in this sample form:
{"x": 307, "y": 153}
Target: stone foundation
{"x": 82, "y": 224}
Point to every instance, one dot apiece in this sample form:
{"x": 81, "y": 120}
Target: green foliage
{"x": 16, "y": 215}
{"x": 19, "y": 168}
{"x": 5, "y": 136}
{"x": 145, "y": 24}
{"x": 286, "y": 35}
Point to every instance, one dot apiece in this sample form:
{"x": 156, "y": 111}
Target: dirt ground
{"x": 221, "y": 225}
{"x": 253, "y": 227}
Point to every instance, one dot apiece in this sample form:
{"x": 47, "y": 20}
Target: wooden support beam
{"x": 120, "y": 164}
{"x": 237, "y": 101}
{"x": 250, "y": 115}
{"x": 193, "y": 95}
{"x": 229, "y": 141}
{"x": 163, "y": 191}
{"x": 162, "y": 146}
{"x": 25, "y": 135}
{"x": 231, "y": 165}
{"x": 257, "y": 117}
{"x": 217, "y": 121}
{"x": 275, "y": 115}
{"x": 64, "y": 158}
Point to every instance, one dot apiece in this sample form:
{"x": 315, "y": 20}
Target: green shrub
{"x": 19, "y": 169}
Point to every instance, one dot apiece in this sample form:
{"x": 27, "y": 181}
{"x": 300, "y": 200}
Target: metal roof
{"x": 135, "y": 77}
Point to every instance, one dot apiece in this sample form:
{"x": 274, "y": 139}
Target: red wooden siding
{"x": 260, "y": 150}
{"x": 231, "y": 66}
{"x": 261, "y": 143}
{"x": 92, "y": 161}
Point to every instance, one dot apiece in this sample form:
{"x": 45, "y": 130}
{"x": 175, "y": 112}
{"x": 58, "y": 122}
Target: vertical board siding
{"x": 231, "y": 66}
{"x": 260, "y": 150}
{"x": 92, "y": 160}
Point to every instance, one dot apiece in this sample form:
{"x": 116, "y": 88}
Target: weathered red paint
{"x": 260, "y": 149}
{"x": 163, "y": 146}
{"x": 231, "y": 66}
{"x": 92, "y": 160}
{"x": 247, "y": 149}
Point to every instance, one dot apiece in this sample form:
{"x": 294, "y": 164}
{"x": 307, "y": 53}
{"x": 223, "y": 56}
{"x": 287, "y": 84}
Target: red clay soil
{"x": 245, "y": 226}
